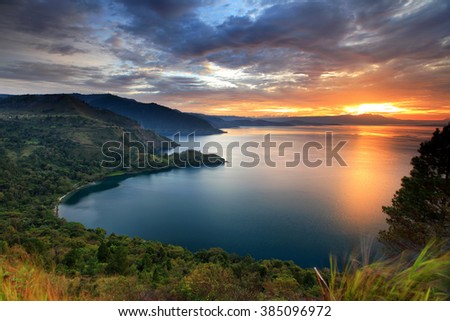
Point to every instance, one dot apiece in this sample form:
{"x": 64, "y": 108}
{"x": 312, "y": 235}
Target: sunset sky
{"x": 248, "y": 57}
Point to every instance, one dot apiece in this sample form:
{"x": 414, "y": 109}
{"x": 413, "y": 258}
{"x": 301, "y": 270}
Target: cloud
{"x": 208, "y": 52}
{"x": 163, "y": 8}
{"x": 60, "y": 49}
{"x": 386, "y": 30}
{"x": 48, "y": 72}
{"x": 304, "y": 26}
{"x": 365, "y": 31}
{"x": 48, "y": 18}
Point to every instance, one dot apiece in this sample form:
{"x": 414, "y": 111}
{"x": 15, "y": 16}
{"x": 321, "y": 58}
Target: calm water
{"x": 300, "y": 214}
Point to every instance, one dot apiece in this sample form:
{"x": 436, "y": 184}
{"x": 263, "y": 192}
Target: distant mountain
{"x": 235, "y": 121}
{"x": 167, "y": 121}
{"x": 161, "y": 119}
{"x": 365, "y": 119}
{"x": 75, "y": 120}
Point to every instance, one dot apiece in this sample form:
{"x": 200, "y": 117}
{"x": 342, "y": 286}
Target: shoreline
{"x": 58, "y": 203}
{"x": 101, "y": 178}
{"x": 123, "y": 175}
{"x": 141, "y": 171}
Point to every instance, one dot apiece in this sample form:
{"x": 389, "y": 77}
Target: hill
{"x": 161, "y": 119}
{"x": 73, "y": 119}
{"x": 49, "y": 145}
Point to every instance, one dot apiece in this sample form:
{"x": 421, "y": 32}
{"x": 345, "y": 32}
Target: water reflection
{"x": 297, "y": 213}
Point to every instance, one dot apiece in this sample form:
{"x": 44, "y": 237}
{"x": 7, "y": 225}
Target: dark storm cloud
{"x": 164, "y": 8}
{"x": 397, "y": 31}
{"x": 336, "y": 32}
{"x": 295, "y": 25}
{"x": 61, "y": 49}
{"x": 95, "y": 79}
{"x": 180, "y": 32}
{"x": 49, "y": 18}
{"x": 47, "y": 72}
{"x": 408, "y": 41}
{"x": 120, "y": 82}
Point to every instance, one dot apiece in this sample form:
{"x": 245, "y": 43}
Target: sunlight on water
{"x": 297, "y": 213}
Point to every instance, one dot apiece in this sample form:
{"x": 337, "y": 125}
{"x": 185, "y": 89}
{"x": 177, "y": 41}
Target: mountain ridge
{"x": 161, "y": 119}
{"x": 222, "y": 121}
{"x": 363, "y": 119}
{"x": 168, "y": 121}
{"x": 94, "y": 126}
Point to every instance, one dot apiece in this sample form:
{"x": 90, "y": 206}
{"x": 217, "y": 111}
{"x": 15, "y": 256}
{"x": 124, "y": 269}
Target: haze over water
{"x": 301, "y": 213}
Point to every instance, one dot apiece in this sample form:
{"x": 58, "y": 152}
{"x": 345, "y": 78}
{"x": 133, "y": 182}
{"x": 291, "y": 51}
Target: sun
{"x": 372, "y": 108}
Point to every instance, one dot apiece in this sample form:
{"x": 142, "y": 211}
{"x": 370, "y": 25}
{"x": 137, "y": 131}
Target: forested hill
{"x": 161, "y": 119}
{"x": 49, "y": 145}
{"x": 73, "y": 119}
{"x": 52, "y": 143}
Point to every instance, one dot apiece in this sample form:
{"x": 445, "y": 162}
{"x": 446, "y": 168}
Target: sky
{"x": 246, "y": 57}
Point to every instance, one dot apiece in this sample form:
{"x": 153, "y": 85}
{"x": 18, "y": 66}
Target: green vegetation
{"x": 49, "y": 145}
{"x": 22, "y": 279}
{"x": 420, "y": 210}
{"x": 159, "y": 118}
{"x": 408, "y": 276}
{"x": 64, "y": 260}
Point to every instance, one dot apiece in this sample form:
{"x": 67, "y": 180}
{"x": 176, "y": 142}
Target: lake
{"x": 299, "y": 213}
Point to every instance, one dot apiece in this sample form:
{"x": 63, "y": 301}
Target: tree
{"x": 73, "y": 258}
{"x": 420, "y": 210}
{"x": 103, "y": 253}
{"x": 119, "y": 263}
{"x": 210, "y": 281}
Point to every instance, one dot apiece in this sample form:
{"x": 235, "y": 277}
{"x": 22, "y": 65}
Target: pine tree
{"x": 420, "y": 210}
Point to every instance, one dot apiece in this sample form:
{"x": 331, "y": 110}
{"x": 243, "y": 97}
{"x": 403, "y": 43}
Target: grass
{"x": 420, "y": 277}
{"x": 22, "y": 280}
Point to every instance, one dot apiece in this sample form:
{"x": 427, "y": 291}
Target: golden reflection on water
{"x": 370, "y": 180}
{"x": 374, "y": 172}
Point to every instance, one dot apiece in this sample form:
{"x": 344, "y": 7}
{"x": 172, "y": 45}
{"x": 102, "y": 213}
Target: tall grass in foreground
{"x": 22, "y": 280}
{"x": 424, "y": 276}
